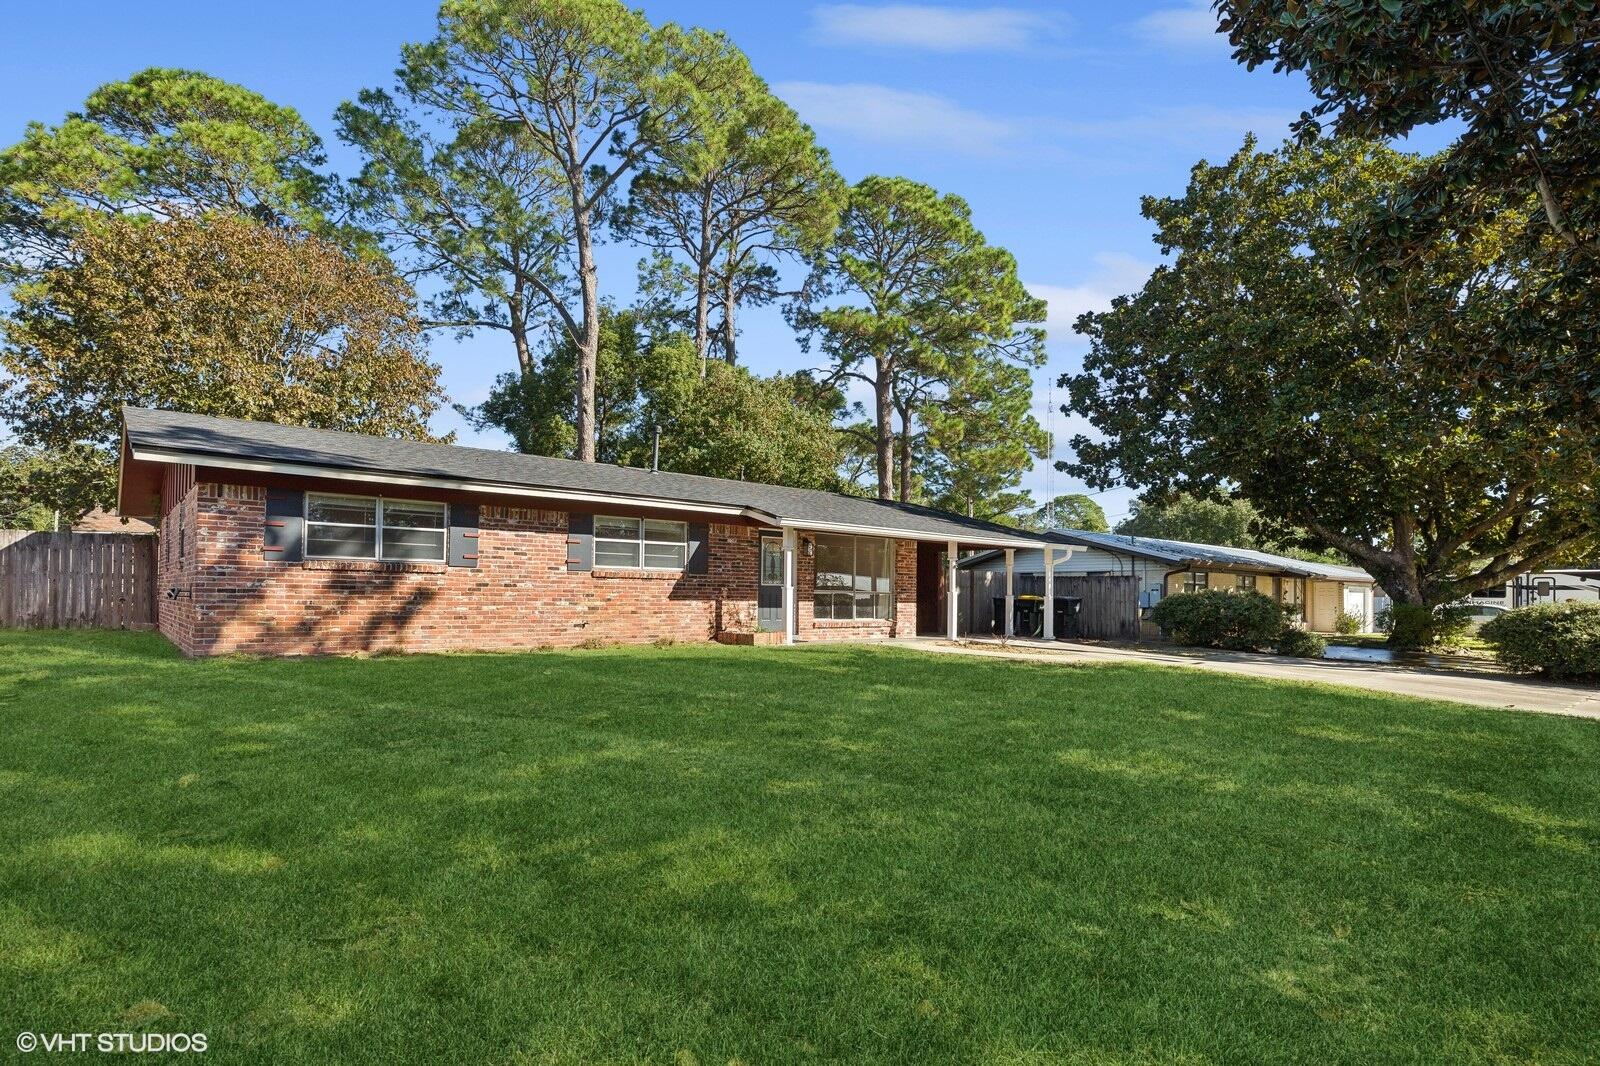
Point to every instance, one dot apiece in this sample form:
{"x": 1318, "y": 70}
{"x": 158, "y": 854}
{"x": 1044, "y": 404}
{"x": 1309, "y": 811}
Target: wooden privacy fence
{"x": 1107, "y": 607}
{"x": 67, "y": 580}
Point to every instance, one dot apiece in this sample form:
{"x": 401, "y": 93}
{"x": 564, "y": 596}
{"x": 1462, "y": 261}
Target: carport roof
{"x": 1186, "y": 553}
{"x": 204, "y": 440}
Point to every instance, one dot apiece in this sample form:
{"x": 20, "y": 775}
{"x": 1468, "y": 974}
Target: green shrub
{"x": 1414, "y": 626}
{"x": 1348, "y": 624}
{"x": 1383, "y": 620}
{"x": 1302, "y": 642}
{"x": 1554, "y": 639}
{"x": 1242, "y": 621}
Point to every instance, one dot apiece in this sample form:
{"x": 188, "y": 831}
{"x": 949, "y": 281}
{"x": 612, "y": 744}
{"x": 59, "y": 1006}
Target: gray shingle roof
{"x": 1182, "y": 551}
{"x": 1186, "y": 553}
{"x": 219, "y": 440}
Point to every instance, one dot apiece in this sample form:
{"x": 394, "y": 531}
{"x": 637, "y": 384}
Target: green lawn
{"x": 701, "y": 854}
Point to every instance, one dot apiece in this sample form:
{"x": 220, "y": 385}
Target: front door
{"x": 769, "y": 598}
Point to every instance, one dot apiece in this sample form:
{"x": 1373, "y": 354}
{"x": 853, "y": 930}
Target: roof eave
{"x": 495, "y": 488}
{"x": 982, "y": 539}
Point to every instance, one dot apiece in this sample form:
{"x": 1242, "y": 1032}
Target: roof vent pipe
{"x": 655, "y": 452}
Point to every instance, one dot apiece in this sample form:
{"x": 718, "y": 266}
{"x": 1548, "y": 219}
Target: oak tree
{"x": 215, "y": 315}
{"x": 717, "y": 420}
{"x": 1072, "y": 510}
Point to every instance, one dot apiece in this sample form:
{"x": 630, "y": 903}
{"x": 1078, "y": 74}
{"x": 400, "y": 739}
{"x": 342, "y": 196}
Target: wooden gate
{"x": 68, "y": 580}
{"x": 1108, "y": 606}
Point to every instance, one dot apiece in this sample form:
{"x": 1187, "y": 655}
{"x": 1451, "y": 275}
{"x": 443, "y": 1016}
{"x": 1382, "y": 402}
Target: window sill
{"x": 375, "y": 565}
{"x": 618, "y": 573}
{"x": 850, "y": 623}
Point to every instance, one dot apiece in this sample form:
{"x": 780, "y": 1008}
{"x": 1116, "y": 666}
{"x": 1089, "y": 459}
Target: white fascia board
{"x": 903, "y": 534}
{"x": 161, "y": 455}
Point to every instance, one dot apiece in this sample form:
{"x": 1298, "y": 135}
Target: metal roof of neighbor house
{"x": 1185, "y": 553}
{"x": 175, "y": 436}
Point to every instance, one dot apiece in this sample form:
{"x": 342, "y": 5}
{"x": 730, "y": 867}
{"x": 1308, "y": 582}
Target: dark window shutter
{"x": 580, "y": 542}
{"x": 463, "y": 535}
{"x": 282, "y": 538}
{"x": 699, "y": 548}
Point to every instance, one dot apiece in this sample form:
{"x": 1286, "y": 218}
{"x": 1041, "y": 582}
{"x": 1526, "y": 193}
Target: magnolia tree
{"x": 1520, "y": 79}
{"x": 1261, "y": 359}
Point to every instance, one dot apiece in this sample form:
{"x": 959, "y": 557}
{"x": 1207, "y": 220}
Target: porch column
{"x": 789, "y": 541}
{"x": 950, "y": 586}
{"x": 1011, "y": 593}
{"x": 1049, "y": 594}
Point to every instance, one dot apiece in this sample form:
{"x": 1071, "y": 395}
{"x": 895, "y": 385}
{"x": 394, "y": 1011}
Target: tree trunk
{"x": 885, "y": 428}
{"x": 589, "y": 343}
{"x": 1411, "y": 617}
{"x": 730, "y": 309}
{"x": 702, "y": 285}
{"x": 1411, "y": 620}
{"x": 519, "y": 336}
{"x": 905, "y": 455}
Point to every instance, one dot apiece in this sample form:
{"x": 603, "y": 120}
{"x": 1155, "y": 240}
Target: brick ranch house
{"x": 279, "y": 540}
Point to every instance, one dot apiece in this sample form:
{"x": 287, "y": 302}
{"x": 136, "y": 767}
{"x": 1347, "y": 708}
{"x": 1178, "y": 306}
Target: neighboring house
{"x": 98, "y": 521}
{"x": 1150, "y": 568}
{"x": 281, "y": 540}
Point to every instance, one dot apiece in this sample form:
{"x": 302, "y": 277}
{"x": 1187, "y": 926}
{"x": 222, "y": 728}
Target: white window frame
{"x": 377, "y": 517}
{"x": 1189, "y": 583}
{"x": 639, "y": 542}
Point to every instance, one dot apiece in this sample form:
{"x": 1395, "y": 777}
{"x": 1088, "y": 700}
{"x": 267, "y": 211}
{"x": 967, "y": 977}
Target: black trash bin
{"x": 1029, "y": 614}
{"x": 1067, "y": 608}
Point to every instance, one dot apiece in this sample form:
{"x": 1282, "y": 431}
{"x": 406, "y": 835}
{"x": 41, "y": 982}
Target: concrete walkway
{"x": 1484, "y": 690}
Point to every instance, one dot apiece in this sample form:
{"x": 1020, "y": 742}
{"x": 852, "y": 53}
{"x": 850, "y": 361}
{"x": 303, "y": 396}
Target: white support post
{"x": 1011, "y": 593}
{"x": 789, "y": 543}
{"x": 1049, "y": 594}
{"x": 950, "y": 585}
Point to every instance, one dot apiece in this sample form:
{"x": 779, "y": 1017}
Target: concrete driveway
{"x": 1484, "y": 690}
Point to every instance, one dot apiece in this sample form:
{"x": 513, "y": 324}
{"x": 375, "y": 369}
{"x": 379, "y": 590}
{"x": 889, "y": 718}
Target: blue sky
{"x": 1050, "y": 119}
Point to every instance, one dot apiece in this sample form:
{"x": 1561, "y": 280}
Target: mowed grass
{"x": 703, "y": 854}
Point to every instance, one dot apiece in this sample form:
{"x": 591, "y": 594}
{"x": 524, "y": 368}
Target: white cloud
{"x": 881, "y": 115}
{"x": 1194, "y": 124}
{"x": 932, "y": 29}
{"x": 1190, "y": 27}
{"x": 1115, "y": 275}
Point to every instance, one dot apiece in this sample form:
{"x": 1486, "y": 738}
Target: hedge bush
{"x": 1554, "y": 639}
{"x": 1242, "y": 621}
{"x": 1347, "y": 624}
{"x": 1302, "y": 642}
{"x": 1415, "y": 626}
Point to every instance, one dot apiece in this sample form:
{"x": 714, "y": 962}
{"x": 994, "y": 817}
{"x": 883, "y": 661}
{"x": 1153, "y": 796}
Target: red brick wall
{"x": 176, "y": 552}
{"x": 231, "y": 598}
{"x": 520, "y": 595}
